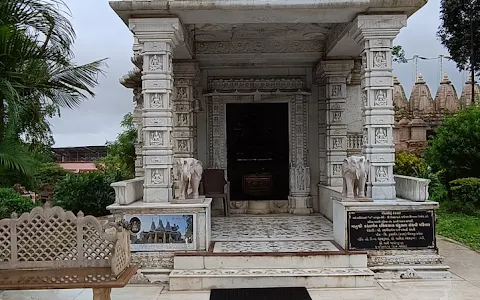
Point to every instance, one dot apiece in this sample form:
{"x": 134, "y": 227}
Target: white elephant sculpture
{"x": 354, "y": 173}
{"x": 189, "y": 172}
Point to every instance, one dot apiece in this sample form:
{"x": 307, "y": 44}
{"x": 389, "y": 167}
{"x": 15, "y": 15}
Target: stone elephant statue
{"x": 354, "y": 173}
{"x": 189, "y": 173}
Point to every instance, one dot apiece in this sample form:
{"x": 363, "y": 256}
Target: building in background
{"x": 79, "y": 159}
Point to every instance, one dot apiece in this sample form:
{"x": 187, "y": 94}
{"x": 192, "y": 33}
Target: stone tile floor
{"x": 274, "y": 246}
{"x": 464, "y": 263}
{"x": 271, "y": 228}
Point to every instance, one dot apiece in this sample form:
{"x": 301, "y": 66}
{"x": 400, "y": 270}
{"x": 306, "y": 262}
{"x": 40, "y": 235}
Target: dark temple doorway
{"x": 258, "y": 151}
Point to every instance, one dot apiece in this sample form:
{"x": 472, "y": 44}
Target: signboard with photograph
{"x": 157, "y": 232}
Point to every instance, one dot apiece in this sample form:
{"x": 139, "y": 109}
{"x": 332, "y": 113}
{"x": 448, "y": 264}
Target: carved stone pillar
{"x": 333, "y": 75}
{"x": 376, "y": 33}
{"x": 217, "y": 151}
{"x": 184, "y": 125}
{"x": 138, "y": 121}
{"x": 300, "y": 201}
{"x": 322, "y": 131}
{"x": 157, "y": 37}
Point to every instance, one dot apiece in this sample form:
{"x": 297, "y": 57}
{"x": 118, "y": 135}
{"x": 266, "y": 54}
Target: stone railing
{"x": 128, "y": 191}
{"x": 354, "y": 143}
{"x": 411, "y": 188}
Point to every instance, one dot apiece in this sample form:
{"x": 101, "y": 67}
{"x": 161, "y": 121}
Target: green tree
{"x": 37, "y": 75}
{"x": 455, "y": 149}
{"x": 459, "y": 32}
{"x": 399, "y": 54}
{"x": 121, "y": 152}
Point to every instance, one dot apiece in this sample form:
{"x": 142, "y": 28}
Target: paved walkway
{"x": 465, "y": 285}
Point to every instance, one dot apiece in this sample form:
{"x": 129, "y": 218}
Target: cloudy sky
{"x": 101, "y": 34}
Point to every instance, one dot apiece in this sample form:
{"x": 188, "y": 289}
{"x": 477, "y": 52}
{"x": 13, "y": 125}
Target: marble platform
{"x": 271, "y": 228}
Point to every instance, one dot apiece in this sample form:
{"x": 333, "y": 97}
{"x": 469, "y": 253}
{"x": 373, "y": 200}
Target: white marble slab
{"x": 273, "y": 246}
{"x": 268, "y": 228}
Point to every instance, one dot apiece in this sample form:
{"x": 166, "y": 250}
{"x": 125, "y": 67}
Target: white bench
{"x": 54, "y": 249}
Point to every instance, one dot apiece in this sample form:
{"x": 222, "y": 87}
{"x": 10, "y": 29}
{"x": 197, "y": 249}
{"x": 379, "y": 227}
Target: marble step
{"x": 249, "y": 261}
{"x": 183, "y": 280}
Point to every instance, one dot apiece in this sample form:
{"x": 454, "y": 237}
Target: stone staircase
{"x": 210, "y": 270}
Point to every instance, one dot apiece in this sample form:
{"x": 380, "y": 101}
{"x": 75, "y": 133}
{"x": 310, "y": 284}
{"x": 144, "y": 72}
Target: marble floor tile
{"x": 434, "y": 290}
{"x": 265, "y": 228}
{"x": 131, "y": 292}
{"x": 352, "y": 294}
{"x": 167, "y": 295}
{"x": 274, "y": 246}
{"x": 41, "y": 294}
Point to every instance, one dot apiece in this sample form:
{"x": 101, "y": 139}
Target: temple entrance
{"x": 258, "y": 151}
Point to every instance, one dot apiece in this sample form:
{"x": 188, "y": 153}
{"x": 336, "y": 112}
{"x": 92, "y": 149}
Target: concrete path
{"x": 465, "y": 285}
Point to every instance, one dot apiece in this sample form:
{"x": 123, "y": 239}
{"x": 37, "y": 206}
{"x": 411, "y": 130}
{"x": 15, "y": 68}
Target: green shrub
{"x": 465, "y": 195}
{"x": 455, "y": 148}
{"x": 11, "y": 201}
{"x": 89, "y": 192}
{"x": 48, "y": 174}
{"x": 409, "y": 164}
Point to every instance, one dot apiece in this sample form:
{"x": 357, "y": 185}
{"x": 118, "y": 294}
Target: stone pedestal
{"x": 156, "y": 217}
{"x": 399, "y": 236}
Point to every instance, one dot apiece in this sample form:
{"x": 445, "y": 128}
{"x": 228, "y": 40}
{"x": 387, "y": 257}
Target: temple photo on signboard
{"x": 149, "y": 232}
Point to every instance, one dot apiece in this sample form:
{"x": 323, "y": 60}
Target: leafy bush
{"x": 121, "y": 152}
{"x": 455, "y": 149}
{"x": 465, "y": 195}
{"x": 48, "y": 174}
{"x": 409, "y": 164}
{"x": 89, "y": 192}
{"x": 11, "y": 201}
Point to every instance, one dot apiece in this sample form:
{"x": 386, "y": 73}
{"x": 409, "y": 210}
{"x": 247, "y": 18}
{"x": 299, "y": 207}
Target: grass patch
{"x": 459, "y": 227}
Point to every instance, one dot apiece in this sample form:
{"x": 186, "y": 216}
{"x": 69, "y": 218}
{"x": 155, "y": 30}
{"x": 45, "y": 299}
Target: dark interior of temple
{"x": 258, "y": 151}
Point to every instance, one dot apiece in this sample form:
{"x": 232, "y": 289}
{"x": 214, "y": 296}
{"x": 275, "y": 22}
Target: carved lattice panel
{"x": 94, "y": 246}
{"x": 49, "y": 239}
{"x": 5, "y": 252}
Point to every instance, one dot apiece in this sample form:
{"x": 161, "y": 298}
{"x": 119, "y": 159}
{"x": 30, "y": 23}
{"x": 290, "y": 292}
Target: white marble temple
{"x": 274, "y": 246}
{"x": 268, "y": 228}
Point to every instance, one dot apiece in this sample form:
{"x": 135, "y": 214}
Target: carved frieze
{"x": 157, "y": 176}
{"x": 337, "y": 143}
{"x": 381, "y": 137}
{"x": 337, "y": 117}
{"x": 336, "y": 90}
{"x": 249, "y": 84}
{"x": 379, "y": 59}
{"x": 155, "y": 63}
{"x": 156, "y": 138}
{"x": 260, "y": 46}
{"x": 380, "y": 98}
{"x": 381, "y": 174}
{"x": 337, "y": 169}
{"x": 156, "y": 101}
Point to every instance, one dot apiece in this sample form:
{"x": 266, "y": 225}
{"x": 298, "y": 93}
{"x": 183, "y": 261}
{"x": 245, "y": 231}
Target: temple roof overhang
{"x": 262, "y": 11}
{"x": 264, "y": 34}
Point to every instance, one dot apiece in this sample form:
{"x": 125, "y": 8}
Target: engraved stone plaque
{"x": 391, "y": 229}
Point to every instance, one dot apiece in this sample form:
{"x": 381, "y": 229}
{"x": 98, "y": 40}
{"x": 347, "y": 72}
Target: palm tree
{"x": 37, "y": 74}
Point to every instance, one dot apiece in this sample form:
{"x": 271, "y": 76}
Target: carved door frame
{"x": 297, "y": 124}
